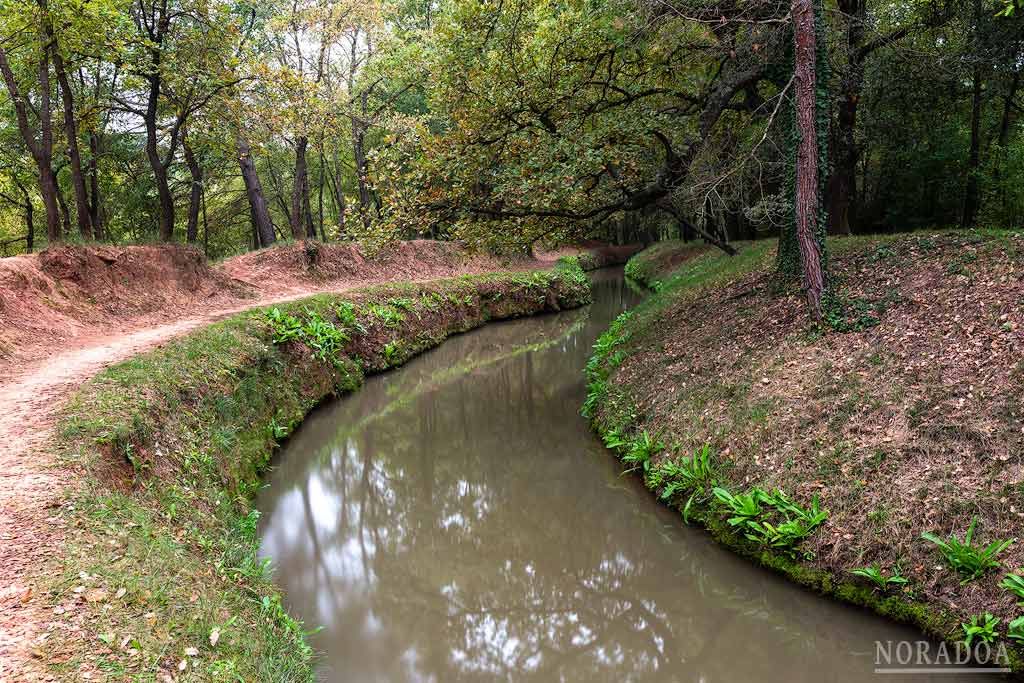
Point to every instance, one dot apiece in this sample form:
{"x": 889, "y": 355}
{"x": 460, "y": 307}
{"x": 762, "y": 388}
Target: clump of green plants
{"x": 981, "y": 627}
{"x": 391, "y": 352}
{"x": 969, "y": 561}
{"x": 685, "y": 473}
{"x": 744, "y": 507}
{"x": 877, "y": 577}
{"x": 615, "y": 440}
{"x": 1015, "y": 629}
{"x": 695, "y": 474}
{"x": 849, "y": 314}
{"x": 1015, "y": 584}
{"x": 771, "y": 520}
{"x": 402, "y": 303}
{"x": 346, "y": 311}
{"x": 606, "y": 357}
{"x": 387, "y": 314}
{"x": 641, "y": 450}
{"x": 319, "y": 334}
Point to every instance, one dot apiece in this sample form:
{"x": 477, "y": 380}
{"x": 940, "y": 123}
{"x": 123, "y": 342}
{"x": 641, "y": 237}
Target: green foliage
{"x": 846, "y": 314}
{"x": 1014, "y": 583}
{"x": 968, "y": 560}
{"x": 319, "y": 334}
{"x": 640, "y": 450}
{"x": 684, "y": 474}
{"x": 878, "y": 578}
{"x": 402, "y": 303}
{"x": 346, "y": 312}
{"x": 981, "y": 627}
{"x": 615, "y": 440}
{"x": 781, "y": 528}
{"x": 391, "y": 352}
{"x": 386, "y": 314}
{"x": 744, "y": 507}
{"x": 606, "y": 357}
{"x": 1015, "y": 629}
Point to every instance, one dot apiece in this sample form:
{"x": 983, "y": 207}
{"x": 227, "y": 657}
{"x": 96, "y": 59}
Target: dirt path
{"x": 32, "y": 484}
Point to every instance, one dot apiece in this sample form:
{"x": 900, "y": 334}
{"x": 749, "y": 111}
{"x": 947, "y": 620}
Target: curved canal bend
{"x": 456, "y": 520}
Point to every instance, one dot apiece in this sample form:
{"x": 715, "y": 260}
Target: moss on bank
{"x": 160, "y": 577}
{"x": 857, "y": 411}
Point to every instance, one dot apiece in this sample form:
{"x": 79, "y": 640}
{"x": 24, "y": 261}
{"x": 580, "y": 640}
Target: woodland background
{"x": 233, "y": 124}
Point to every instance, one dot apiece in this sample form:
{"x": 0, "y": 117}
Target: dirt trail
{"x": 32, "y": 484}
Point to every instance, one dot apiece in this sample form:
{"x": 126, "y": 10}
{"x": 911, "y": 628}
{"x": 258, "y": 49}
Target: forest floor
{"x": 71, "y": 311}
{"x": 902, "y": 411}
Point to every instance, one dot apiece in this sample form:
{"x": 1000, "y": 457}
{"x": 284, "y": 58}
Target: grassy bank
{"x": 900, "y": 416}
{"x": 160, "y": 578}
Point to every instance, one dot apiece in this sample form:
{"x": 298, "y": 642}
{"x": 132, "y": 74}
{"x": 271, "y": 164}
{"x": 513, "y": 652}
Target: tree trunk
{"x": 163, "y": 188}
{"x": 339, "y": 194}
{"x": 41, "y": 150}
{"x": 30, "y": 223}
{"x": 362, "y": 166}
{"x": 95, "y": 205}
{"x": 196, "y": 194}
{"x": 1004, "y": 133}
{"x": 62, "y": 205}
{"x": 306, "y": 210}
{"x": 842, "y": 185}
{"x": 263, "y": 227}
{"x": 298, "y": 188}
{"x": 971, "y": 192}
{"x": 806, "y": 199}
{"x": 71, "y": 134}
{"x": 320, "y": 193}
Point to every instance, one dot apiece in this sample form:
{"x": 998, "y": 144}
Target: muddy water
{"x": 456, "y": 520}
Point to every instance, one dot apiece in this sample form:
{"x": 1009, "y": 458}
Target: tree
{"x": 806, "y": 199}
{"x": 38, "y": 139}
{"x": 549, "y": 121}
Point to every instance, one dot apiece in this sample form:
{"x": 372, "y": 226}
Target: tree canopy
{"x": 500, "y": 123}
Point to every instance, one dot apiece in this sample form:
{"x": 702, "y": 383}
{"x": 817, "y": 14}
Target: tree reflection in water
{"x": 455, "y": 520}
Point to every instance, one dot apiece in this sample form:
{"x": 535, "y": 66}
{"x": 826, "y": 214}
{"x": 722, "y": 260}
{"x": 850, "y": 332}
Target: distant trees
{"x": 238, "y": 124}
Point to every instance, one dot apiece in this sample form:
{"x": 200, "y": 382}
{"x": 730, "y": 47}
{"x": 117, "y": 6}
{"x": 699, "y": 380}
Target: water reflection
{"x": 455, "y": 520}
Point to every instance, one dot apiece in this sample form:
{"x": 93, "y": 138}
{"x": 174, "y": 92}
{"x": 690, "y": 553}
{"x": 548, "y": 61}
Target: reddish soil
{"x": 71, "y": 311}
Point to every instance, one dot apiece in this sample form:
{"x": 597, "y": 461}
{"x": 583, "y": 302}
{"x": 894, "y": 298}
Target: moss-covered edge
{"x": 612, "y": 413}
{"x": 160, "y": 574}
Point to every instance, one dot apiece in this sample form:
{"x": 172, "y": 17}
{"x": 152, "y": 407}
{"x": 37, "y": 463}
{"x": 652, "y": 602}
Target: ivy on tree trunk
{"x": 802, "y": 241}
